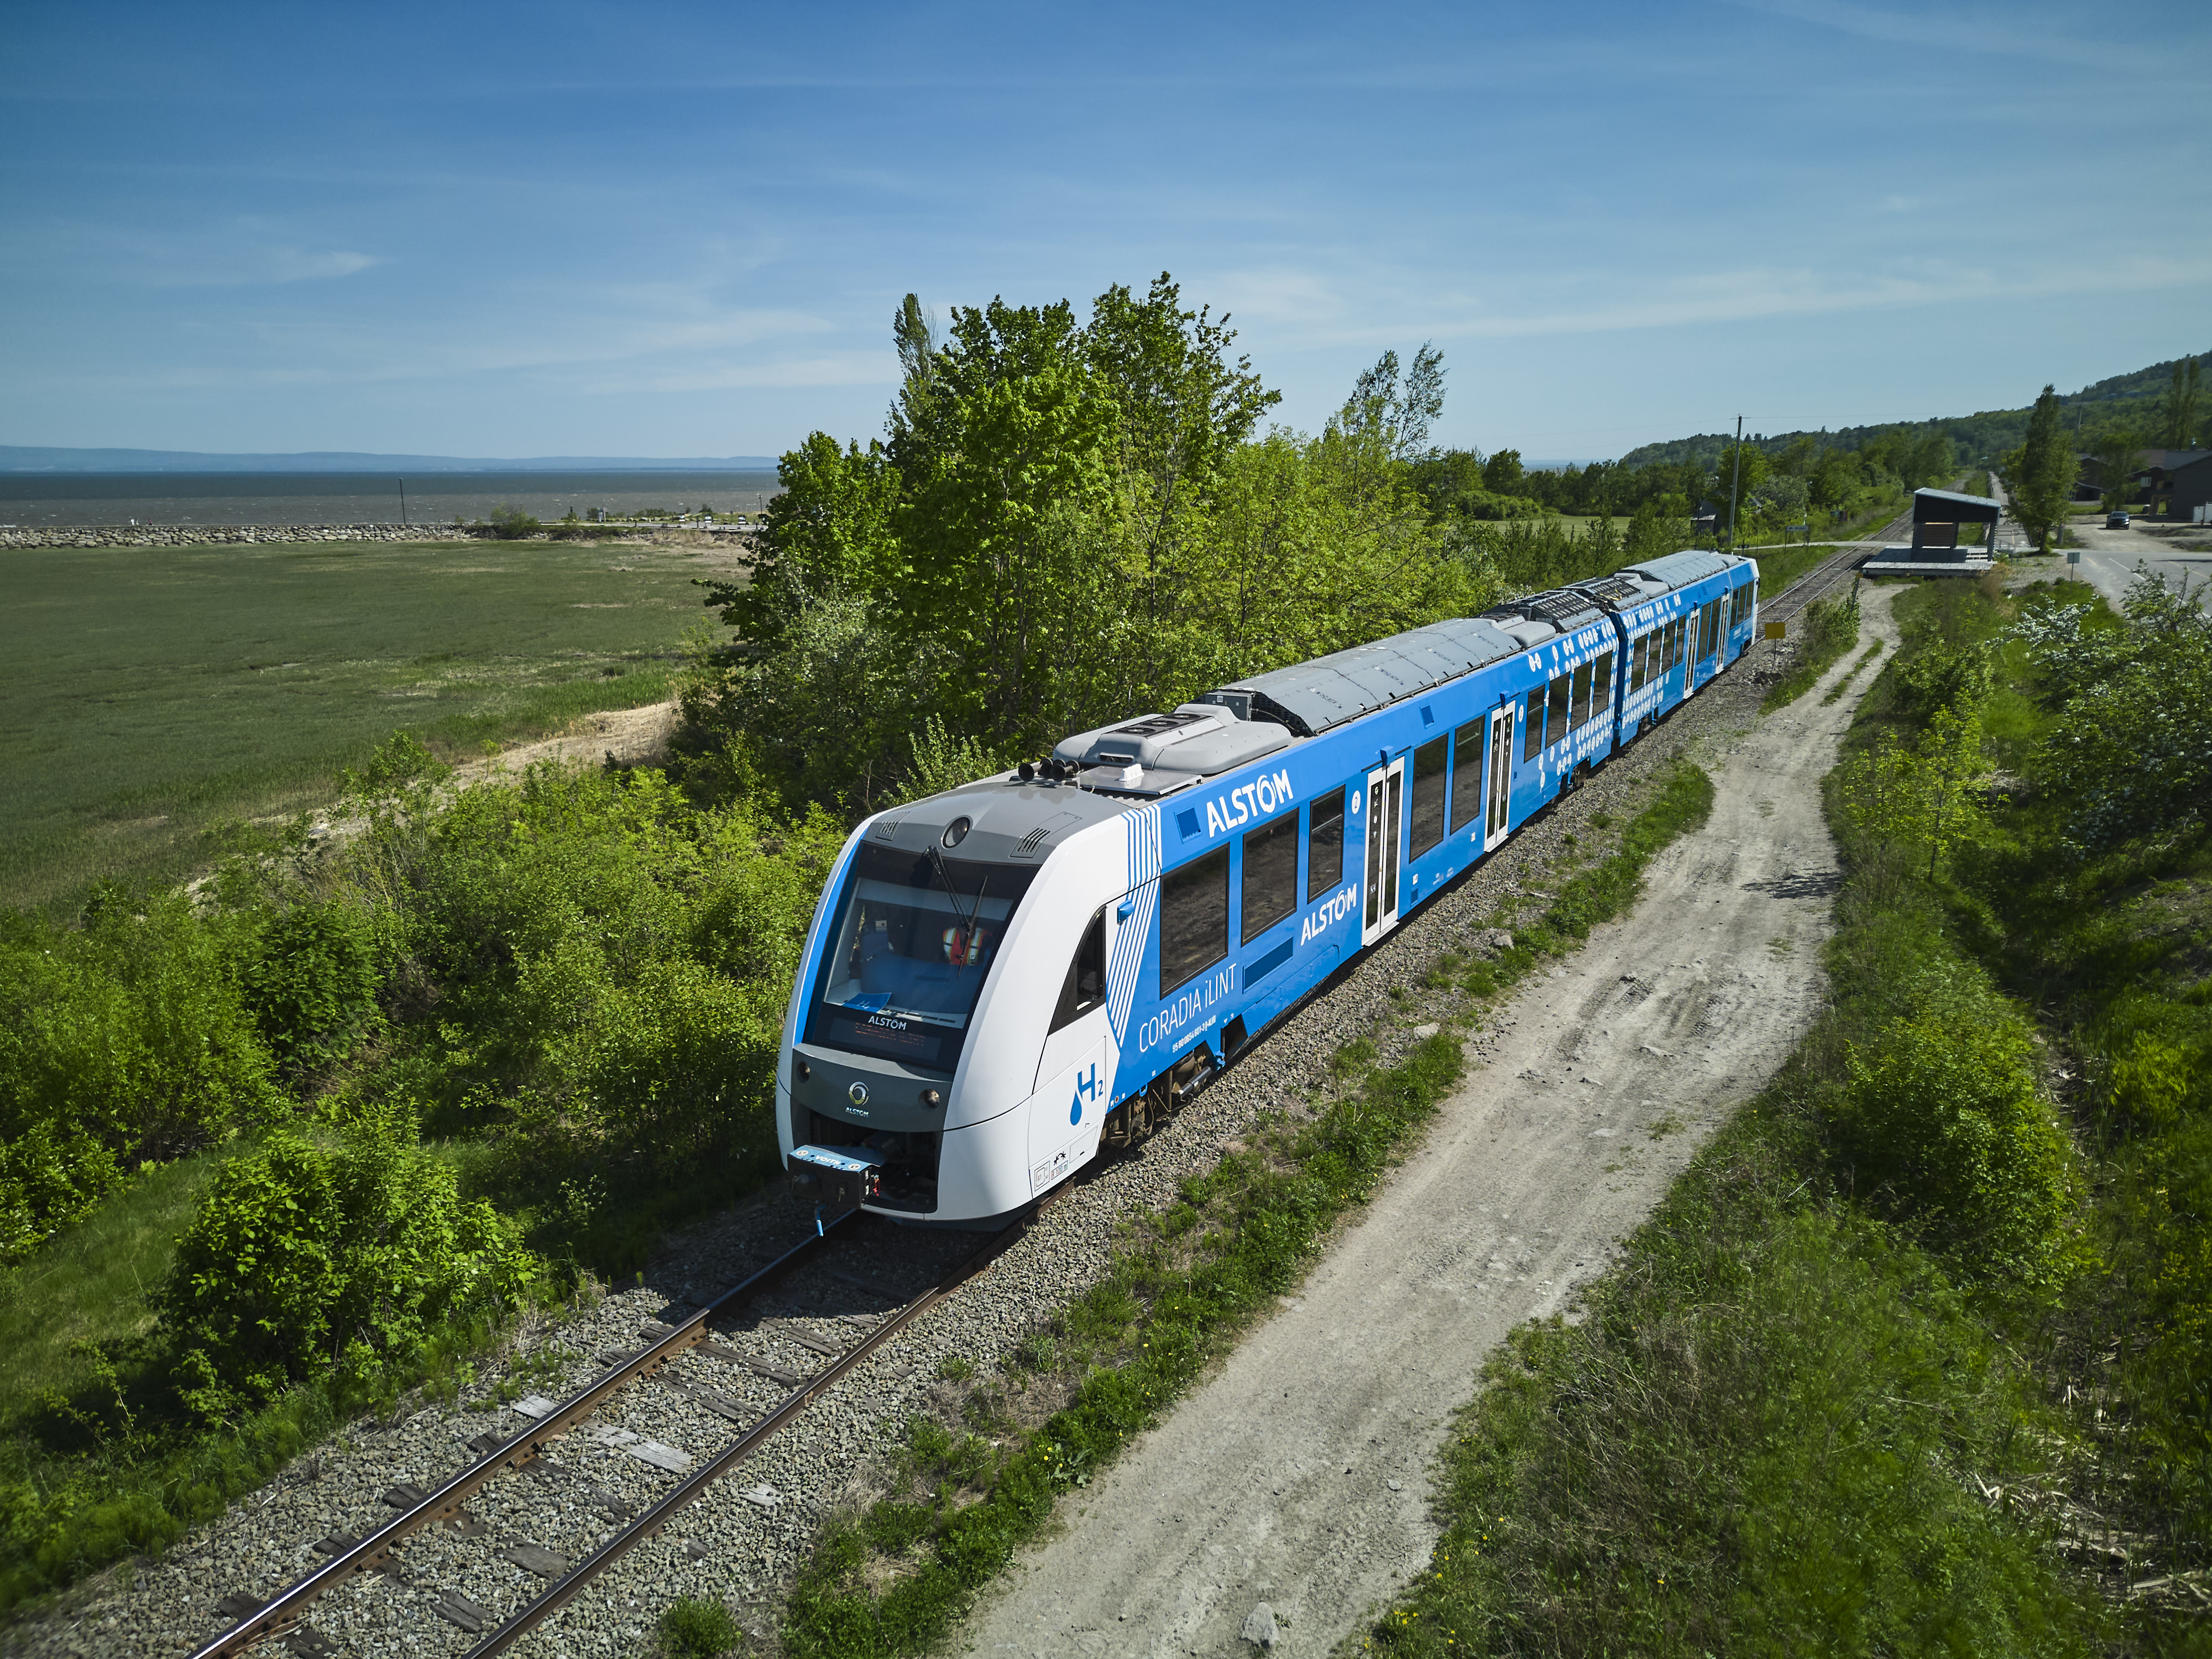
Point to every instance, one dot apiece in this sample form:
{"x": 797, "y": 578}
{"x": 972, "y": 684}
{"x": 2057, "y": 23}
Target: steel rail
{"x": 565, "y": 1589}
{"x": 1830, "y": 571}
{"x": 289, "y": 1606}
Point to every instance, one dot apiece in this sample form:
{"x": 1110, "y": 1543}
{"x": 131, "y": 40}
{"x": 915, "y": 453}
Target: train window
{"x": 1325, "y": 846}
{"x": 1711, "y": 631}
{"x": 1636, "y": 661}
{"x": 1426, "y": 818}
{"x": 1531, "y": 726}
{"x": 1084, "y": 987}
{"x": 1582, "y": 709}
{"x": 1467, "y": 774}
{"x": 1555, "y": 723}
{"x": 1193, "y": 918}
{"x": 1271, "y": 874}
{"x": 1602, "y": 685}
{"x": 911, "y": 941}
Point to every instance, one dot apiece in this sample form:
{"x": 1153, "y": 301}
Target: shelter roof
{"x": 1949, "y": 504}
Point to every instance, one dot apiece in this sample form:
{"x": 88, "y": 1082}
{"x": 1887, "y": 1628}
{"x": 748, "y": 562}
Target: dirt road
{"x": 628, "y": 736}
{"x": 1299, "y": 1475}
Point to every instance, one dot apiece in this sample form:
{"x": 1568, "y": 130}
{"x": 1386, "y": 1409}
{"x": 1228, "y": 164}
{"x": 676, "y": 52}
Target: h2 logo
{"x": 1086, "y": 1088}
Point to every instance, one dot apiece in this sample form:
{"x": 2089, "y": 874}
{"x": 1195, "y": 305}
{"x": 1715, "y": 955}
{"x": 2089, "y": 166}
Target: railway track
{"x": 523, "y": 1533}
{"x": 1830, "y": 574}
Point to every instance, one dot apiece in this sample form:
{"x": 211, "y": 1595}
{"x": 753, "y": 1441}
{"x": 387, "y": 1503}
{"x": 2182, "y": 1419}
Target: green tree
{"x": 2178, "y": 408}
{"x": 1836, "y": 478}
{"x": 2117, "y": 451}
{"x": 1656, "y": 528}
{"x": 2040, "y": 472}
{"x": 829, "y": 532}
{"x": 1501, "y": 473}
{"x": 1744, "y": 485}
{"x": 1781, "y": 500}
{"x": 1012, "y": 500}
{"x": 2130, "y": 754}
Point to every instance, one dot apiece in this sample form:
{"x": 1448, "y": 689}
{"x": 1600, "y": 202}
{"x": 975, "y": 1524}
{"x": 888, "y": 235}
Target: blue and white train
{"x": 1004, "y": 979}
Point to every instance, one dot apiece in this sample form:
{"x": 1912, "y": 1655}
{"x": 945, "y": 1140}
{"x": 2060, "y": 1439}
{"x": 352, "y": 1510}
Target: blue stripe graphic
{"x": 1127, "y": 956}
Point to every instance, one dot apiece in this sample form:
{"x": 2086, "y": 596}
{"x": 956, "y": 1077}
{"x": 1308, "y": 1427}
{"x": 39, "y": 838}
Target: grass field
{"x": 154, "y": 692}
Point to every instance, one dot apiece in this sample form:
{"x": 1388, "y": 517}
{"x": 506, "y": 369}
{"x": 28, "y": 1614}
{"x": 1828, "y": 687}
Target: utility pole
{"x": 402, "y": 503}
{"x": 1734, "y": 481}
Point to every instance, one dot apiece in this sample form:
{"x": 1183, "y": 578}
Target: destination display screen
{"x": 895, "y": 1039}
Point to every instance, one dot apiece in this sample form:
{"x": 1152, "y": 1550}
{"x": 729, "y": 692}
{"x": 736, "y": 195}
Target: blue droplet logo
{"x": 1075, "y": 1110}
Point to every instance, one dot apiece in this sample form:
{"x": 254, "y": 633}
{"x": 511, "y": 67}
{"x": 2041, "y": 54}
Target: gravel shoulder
{"x": 1299, "y": 1474}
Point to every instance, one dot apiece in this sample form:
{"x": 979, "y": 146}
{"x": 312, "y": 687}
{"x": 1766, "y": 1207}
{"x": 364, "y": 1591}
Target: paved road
{"x": 2110, "y": 557}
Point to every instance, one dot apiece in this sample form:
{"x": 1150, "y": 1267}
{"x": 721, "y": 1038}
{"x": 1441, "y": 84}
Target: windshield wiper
{"x": 967, "y": 917}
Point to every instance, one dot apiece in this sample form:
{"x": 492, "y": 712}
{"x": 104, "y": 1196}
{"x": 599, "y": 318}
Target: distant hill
{"x": 1978, "y": 438}
{"x": 15, "y": 457}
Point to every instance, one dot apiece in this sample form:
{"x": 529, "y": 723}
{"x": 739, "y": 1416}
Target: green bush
{"x": 1941, "y": 1121}
{"x": 679, "y": 1066}
{"x": 302, "y": 1259}
{"x": 121, "y": 1040}
{"x": 2131, "y": 755}
{"x": 1937, "y": 675}
{"x": 313, "y": 983}
{"x": 512, "y": 524}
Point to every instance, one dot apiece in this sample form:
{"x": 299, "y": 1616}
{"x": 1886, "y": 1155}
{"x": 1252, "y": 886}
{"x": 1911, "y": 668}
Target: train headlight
{"x": 931, "y": 1098}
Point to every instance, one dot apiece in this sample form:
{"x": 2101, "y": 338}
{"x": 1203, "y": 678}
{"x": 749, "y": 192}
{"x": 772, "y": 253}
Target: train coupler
{"x": 847, "y": 1177}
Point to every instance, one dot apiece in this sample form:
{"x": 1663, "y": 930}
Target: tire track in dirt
{"x": 1299, "y": 1474}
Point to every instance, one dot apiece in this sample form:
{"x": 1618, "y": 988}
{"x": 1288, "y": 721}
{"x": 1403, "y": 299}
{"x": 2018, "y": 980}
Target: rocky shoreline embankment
{"x": 140, "y": 535}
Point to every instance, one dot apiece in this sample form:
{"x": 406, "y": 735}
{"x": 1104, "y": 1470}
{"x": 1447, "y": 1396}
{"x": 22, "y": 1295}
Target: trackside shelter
{"x": 1937, "y": 515}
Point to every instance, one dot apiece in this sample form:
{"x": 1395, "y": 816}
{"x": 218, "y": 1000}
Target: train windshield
{"x": 911, "y": 942}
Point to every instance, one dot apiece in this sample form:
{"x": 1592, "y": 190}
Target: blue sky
{"x": 670, "y": 229}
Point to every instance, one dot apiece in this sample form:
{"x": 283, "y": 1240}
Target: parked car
{"x": 2115, "y": 521}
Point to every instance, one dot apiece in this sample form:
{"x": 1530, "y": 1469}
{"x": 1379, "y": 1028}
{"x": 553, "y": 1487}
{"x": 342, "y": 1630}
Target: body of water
{"x": 38, "y": 499}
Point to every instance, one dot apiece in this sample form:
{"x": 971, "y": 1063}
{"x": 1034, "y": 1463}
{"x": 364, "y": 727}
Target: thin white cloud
{"x": 1750, "y": 295}
{"x": 238, "y": 254}
{"x": 1997, "y": 33}
{"x": 840, "y": 368}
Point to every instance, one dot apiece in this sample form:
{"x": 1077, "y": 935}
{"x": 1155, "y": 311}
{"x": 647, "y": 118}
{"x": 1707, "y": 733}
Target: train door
{"x": 1386, "y": 837}
{"x": 1501, "y": 777}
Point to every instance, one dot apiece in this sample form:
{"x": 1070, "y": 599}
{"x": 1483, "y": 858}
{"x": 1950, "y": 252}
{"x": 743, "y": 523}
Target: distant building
{"x": 2153, "y": 480}
{"x": 2189, "y": 486}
